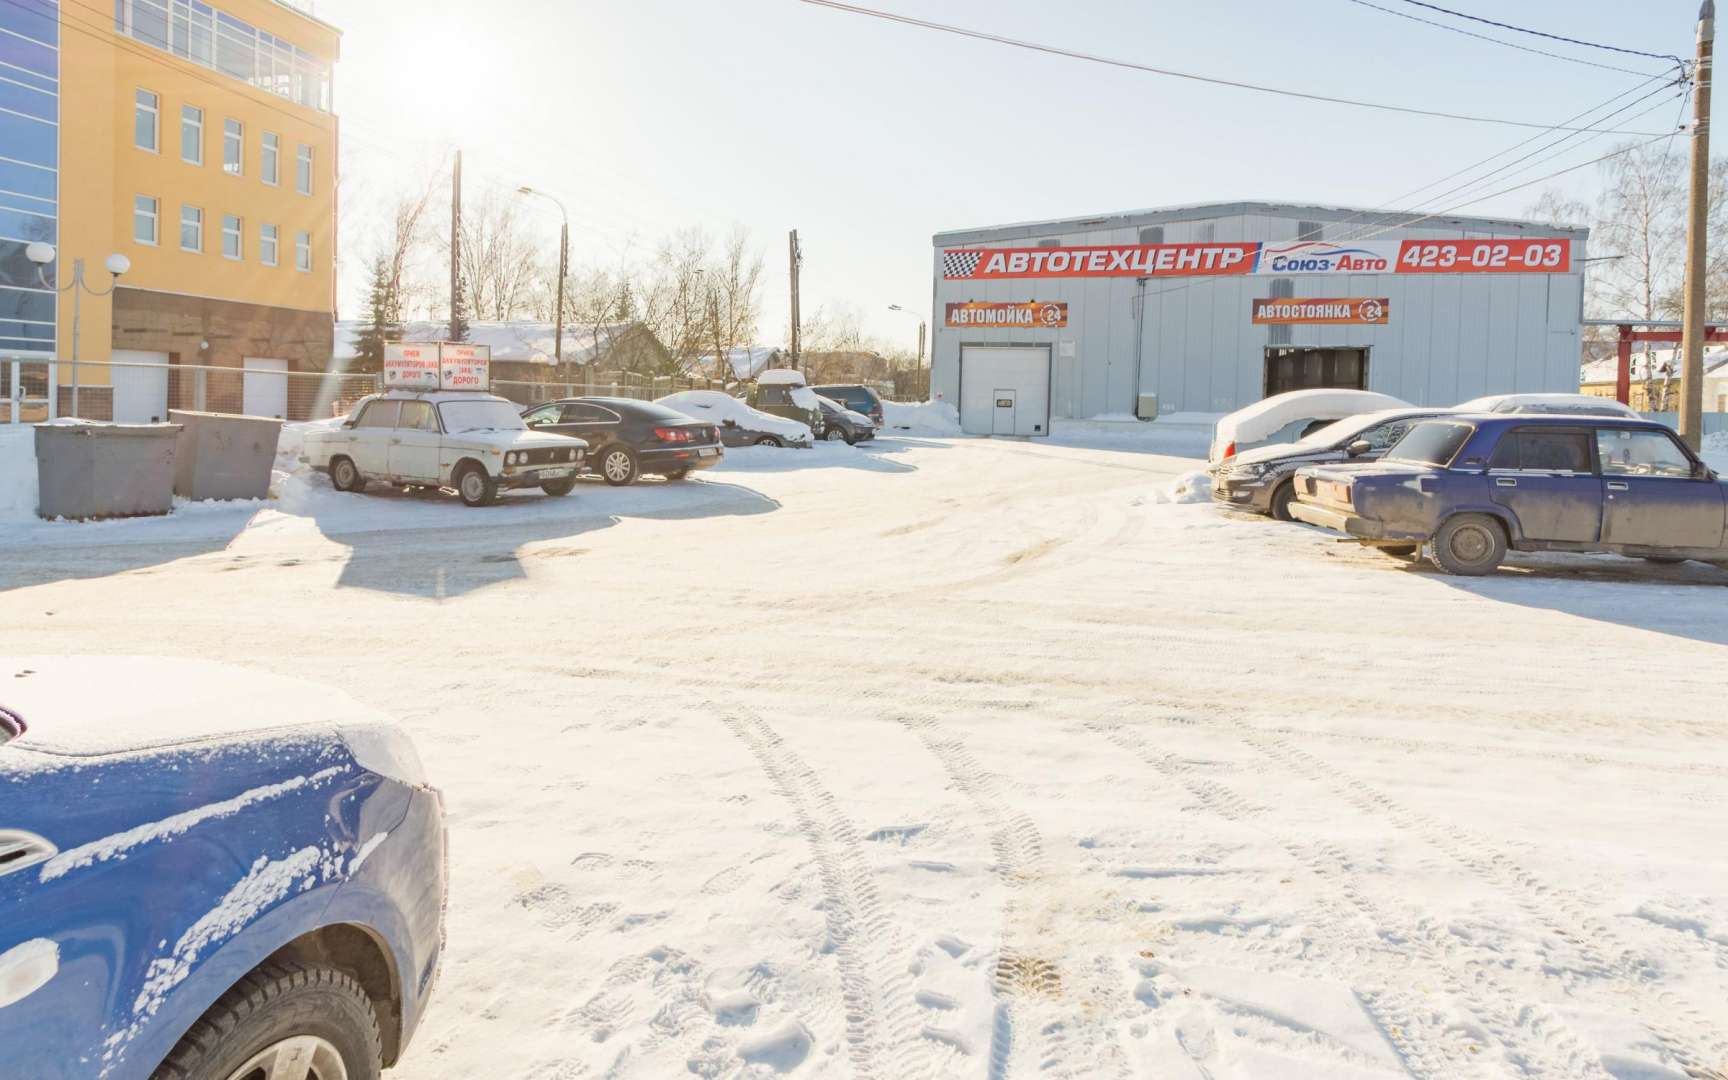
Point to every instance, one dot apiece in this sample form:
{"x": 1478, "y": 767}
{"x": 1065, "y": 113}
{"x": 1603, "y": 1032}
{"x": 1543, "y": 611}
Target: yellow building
{"x": 196, "y": 140}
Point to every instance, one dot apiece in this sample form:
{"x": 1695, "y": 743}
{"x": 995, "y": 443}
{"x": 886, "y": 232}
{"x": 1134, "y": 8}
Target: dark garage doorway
{"x": 1300, "y": 368}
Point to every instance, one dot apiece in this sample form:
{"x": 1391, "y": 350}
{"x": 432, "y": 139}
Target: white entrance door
{"x": 1002, "y": 414}
{"x": 1020, "y": 373}
{"x": 264, "y": 389}
{"x": 140, "y": 386}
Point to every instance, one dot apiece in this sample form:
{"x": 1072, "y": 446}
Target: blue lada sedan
{"x": 1465, "y": 489}
{"x": 208, "y": 873}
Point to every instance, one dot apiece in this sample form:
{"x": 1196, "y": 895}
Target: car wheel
{"x": 558, "y": 487}
{"x": 475, "y": 486}
{"x": 1399, "y": 551}
{"x": 1281, "y": 500}
{"x": 1468, "y": 544}
{"x": 769, "y": 440}
{"x": 345, "y": 475}
{"x": 677, "y": 474}
{"x": 618, "y": 466}
{"x": 281, "y": 1020}
{"x": 834, "y": 434}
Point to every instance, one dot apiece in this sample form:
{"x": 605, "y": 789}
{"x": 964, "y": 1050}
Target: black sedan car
{"x": 627, "y": 438}
{"x": 839, "y": 422}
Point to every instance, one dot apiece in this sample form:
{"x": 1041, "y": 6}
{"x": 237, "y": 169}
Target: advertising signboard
{"x": 1286, "y": 310}
{"x": 464, "y": 367}
{"x": 1031, "y": 315}
{"x": 410, "y": 365}
{"x": 1520, "y": 255}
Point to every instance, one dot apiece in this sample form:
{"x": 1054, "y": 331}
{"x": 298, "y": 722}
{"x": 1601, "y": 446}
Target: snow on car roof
{"x": 780, "y": 377}
{"x": 93, "y": 705}
{"x": 1512, "y": 402}
{"x": 1269, "y": 414}
{"x": 717, "y": 407}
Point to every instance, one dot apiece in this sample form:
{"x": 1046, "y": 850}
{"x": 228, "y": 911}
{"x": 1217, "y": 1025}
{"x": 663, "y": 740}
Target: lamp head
{"x": 895, "y": 307}
{"x": 117, "y": 264}
{"x": 524, "y": 190}
{"x": 39, "y": 253}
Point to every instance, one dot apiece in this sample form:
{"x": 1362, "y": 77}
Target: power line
{"x": 1544, "y": 34}
{"x": 1495, "y": 40}
{"x": 998, "y": 39}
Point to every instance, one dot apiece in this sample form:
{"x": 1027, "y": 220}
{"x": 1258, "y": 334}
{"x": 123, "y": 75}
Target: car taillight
{"x": 1230, "y": 449}
{"x": 673, "y": 434}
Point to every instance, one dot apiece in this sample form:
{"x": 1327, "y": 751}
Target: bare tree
{"x": 674, "y": 295}
{"x": 498, "y": 262}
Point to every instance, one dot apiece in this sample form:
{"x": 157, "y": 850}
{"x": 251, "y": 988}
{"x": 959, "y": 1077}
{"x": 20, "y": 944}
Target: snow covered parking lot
{"x": 947, "y": 757}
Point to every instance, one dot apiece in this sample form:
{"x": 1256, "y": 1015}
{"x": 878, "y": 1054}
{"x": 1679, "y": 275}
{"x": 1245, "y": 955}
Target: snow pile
{"x": 17, "y": 472}
{"x": 1190, "y": 487}
{"x": 780, "y": 377}
{"x": 717, "y": 408}
{"x": 921, "y": 418}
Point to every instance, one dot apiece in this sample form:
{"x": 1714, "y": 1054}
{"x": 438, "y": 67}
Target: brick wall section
{"x": 164, "y": 322}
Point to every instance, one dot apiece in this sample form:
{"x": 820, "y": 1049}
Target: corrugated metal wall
{"x": 1451, "y": 337}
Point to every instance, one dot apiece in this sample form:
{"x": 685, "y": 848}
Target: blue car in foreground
{"x": 1468, "y": 488}
{"x": 208, "y": 873}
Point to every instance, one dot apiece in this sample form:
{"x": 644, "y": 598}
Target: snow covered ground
{"x": 958, "y": 757}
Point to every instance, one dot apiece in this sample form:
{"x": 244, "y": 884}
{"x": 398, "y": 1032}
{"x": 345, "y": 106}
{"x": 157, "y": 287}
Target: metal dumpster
{"x": 224, "y": 455}
{"x": 86, "y": 470}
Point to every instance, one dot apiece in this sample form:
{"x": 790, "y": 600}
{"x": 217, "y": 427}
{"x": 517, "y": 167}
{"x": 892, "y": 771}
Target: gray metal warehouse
{"x": 1246, "y": 299}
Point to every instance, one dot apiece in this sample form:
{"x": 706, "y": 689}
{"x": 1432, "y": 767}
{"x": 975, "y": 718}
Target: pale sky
{"x": 646, "y": 116}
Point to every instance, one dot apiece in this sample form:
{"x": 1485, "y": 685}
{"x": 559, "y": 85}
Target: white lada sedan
{"x": 475, "y": 443}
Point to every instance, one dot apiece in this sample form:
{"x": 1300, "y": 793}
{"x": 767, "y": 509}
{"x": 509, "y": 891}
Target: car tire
{"x": 345, "y": 475}
{"x": 769, "y": 440}
{"x": 559, "y": 487}
{"x": 1400, "y": 551}
{"x": 1468, "y": 545}
{"x": 677, "y": 474}
{"x": 834, "y": 434}
{"x": 1282, "y": 497}
{"x": 618, "y": 466}
{"x": 277, "y": 1008}
{"x": 475, "y": 485}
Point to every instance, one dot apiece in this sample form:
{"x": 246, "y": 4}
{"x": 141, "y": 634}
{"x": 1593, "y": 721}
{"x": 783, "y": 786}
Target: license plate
{"x": 553, "y": 474}
{"x": 707, "y": 453}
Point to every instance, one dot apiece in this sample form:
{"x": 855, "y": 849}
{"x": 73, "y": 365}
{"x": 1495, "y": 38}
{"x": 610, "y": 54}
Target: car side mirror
{"x": 346, "y": 424}
{"x": 1359, "y": 447}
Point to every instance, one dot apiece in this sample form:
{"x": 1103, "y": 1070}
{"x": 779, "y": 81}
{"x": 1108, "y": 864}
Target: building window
{"x": 191, "y": 228}
{"x": 144, "y": 219}
{"x": 303, "y": 252}
{"x": 1152, "y": 234}
{"x": 145, "y": 120}
{"x": 233, "y": 146}
{"x": 303, "y": 169}
{"x": 191, "y": 134}
{"x": 231, "y": 247}
{"x": 1310, "y": 230}
{"x": 207, "y": 36}
{"x": 269, "y": 157}
{"x": 267, "y": 244}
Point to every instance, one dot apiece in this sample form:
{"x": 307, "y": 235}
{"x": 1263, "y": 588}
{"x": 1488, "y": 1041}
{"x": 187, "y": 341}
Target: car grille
{"x": 549, "y": 455}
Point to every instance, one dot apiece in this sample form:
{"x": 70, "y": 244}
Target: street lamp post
{"x": 563, "y": 268}
{"x": 42, "y": 254}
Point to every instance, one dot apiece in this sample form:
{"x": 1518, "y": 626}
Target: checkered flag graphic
{"x": 960, "y": 264}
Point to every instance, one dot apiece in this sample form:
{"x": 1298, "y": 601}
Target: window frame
{"x": 303, "y": 154}
{"x": 271, "y": 153}
{"x": 238, "y": 142}
{"x": 437, "y": 427}
{"x": 269, "y": 243}
{"x": 1685, "y": 453}
{"x": 238, "y": 232}
{"x": 1517, "y": 434}
{"x": 155, "y": 111}
{"x": 198, "y": 159}
{"x": 199, "y": 210}
{"x": 604, "y": 412}
{"x": 155, "y": 216}
{"x": 303, "y": 242}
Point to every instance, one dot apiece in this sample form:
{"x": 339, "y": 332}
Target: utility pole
{"x": 1692, "y": 326}
{"x": 920, "y": 342}
{"x": 456, "y": 249}
{"x": 796, "y": 259}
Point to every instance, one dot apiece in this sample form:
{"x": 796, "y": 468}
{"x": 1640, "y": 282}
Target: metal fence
{"x": 601, "y": 384}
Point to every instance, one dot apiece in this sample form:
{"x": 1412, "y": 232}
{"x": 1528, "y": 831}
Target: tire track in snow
{"x": 877, "y": 996}
{"x": 1681, "y": 1029}
{"x": 1427, "y": 1045}
{"x": 1035, "y": 1012}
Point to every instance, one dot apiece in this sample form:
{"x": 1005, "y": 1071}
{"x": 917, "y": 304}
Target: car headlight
{"x": 570, "y": 455}
{"x": 513, "y": 458}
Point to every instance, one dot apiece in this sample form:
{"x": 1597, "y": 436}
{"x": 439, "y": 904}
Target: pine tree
{"x": 382, "y": 323}
{"x": 458, "y": 314}
{"x": 626, "y": 306}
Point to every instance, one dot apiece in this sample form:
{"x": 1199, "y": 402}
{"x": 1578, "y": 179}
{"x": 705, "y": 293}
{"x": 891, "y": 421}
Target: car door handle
{"x": 1619, "y": 485}
{"x": 1505, "y": 481}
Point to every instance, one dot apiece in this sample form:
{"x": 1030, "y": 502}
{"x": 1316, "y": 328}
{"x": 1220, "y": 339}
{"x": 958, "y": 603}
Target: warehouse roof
{"x": 1357, "y": 215}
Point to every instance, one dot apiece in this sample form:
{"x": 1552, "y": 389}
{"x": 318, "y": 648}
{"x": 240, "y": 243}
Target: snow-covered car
{"x": 1263, "y": 479}
{"x": 740, "y": 425}
{"x": 1569, "y": 404}
{"x": 475, "y": 443}
{"x": 208, "y": 872}
{"x": 781, "y": 392}
{"x": 1287, "y": 417}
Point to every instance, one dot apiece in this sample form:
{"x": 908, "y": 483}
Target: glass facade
{"x": 29, "y": 163}
{"x": 206, "y": 35}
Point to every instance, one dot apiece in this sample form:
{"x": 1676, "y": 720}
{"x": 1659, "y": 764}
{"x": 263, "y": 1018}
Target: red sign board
{"x": 1031, "y": 315}
{"x": 1286, "y": 310}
